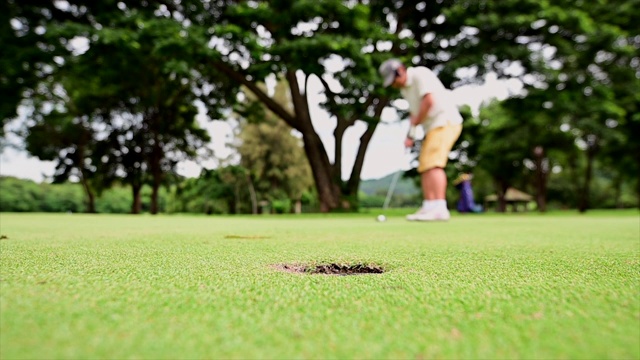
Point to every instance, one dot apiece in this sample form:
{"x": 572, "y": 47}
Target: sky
{"x": 385, "y": 153}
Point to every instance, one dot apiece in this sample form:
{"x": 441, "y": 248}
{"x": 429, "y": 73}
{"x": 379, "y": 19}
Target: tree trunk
{"x": 332, "y": 194}
{"x": 350, "y": 192}
{"x": 328, "y": 192}
{"x": 338, "y": 135}
{"x": 233, "y": 202}
{"x": 252, "y": 194}
{"x": 638, "y": 192}
{"x": 575, "y": 185}
{"x": 592, "y": 150}
{"x": 154, "y": 198}
{"x": 91, "y": 199}
{"x": 136, "y": 207}
{"x": 156, "y": 173}
{"x": 502, "y": 191}
{"x": 617, "y": 186}
{"x": 542, "y": 174}
{"x": 91, "y": 202}
{"x": 584, "y": 194}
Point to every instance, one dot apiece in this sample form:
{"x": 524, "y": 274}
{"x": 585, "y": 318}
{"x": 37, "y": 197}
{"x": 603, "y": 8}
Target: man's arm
{"x": 425, "y": 106}
{"x": 415, "y": 120}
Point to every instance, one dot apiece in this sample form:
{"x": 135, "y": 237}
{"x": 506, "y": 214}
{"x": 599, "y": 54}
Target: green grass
{"x": 480, "y": 286}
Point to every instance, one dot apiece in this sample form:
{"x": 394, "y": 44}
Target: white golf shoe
{"x": 429, "y": 215}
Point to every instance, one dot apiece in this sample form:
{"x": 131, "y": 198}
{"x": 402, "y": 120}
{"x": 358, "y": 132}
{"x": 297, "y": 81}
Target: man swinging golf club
{"x": 430, "y": 106}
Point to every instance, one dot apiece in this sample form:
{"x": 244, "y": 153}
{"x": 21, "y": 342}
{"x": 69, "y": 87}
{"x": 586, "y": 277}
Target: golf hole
{"x": 332, "y": 269}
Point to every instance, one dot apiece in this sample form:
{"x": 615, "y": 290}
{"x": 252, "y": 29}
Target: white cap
{"x": 388, "y": 71}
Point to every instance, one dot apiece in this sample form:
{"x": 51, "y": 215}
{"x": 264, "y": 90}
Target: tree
{"x": 294, "y": 40}
{"x": 502, "y": 148}
{"x": 225, "y": 190}
{"x": 274, "y": 157}
{"x": 23, "y": 63}
{"x": 166, "y": 54}
{"x": 154, "y": 126}
{"x": 588, "y": 43}
{"x": 137, "y": 83}
{"x": 26, "y": 196}
{"x": 69, "y": 141}
{"x": 566, "y": 53}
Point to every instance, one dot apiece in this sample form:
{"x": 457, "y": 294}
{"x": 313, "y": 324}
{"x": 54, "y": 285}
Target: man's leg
{"x": 434, "y": 184}
{"x": 433, "y": 159}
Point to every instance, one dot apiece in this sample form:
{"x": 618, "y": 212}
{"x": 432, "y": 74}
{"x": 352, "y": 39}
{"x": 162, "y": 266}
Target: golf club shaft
{"x": 396, "y": 176}
{"x": 394, "y": 181}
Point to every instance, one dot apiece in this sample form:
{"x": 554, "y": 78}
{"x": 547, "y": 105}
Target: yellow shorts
{"x": 436, "y": 147}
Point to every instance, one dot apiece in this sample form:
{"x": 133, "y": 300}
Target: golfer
{"x": 431, "y": 106}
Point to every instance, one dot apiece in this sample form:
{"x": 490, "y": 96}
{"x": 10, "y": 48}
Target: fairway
{"x": 559, "y": 285}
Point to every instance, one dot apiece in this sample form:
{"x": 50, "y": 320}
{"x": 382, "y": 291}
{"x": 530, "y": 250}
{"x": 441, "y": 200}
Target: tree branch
{"x": 331, "y": 97}
{"x": 299, "y": 103}
{"x": 271, "y": 104}
{"x": 354, "y": 179}
{"x": 367, "y": 103}
{"x": 306, "y": 95}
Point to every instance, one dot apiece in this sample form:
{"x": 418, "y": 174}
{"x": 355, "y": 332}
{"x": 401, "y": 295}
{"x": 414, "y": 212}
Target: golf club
{"x": 392, "y": 186}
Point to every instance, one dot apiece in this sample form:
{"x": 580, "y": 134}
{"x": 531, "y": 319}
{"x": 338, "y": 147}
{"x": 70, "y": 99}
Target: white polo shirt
{"x": 422, "y": 81}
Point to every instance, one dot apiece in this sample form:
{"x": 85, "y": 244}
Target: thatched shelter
{"x": 512, "y": 197}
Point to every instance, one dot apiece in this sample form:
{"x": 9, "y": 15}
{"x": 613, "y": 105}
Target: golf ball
{"x": 382, "y": 218}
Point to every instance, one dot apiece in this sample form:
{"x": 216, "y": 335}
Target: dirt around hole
{"x": 332, "y": 269}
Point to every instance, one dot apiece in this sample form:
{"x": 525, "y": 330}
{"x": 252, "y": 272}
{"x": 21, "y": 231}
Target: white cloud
{"x": 18, "y": 164}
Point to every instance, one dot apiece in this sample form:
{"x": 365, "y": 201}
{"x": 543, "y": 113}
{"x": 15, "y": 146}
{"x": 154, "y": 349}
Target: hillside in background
{"x": 381, "y": 186}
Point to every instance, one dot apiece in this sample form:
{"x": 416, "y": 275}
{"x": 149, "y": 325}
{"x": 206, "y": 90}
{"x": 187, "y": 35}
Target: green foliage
{"x": 115, "y": 200}
{"x": 66, "y": 197}
{"x": 370, "y": 201}
{"x": 131, "y": 96}
{"x": 124, "y": 110}
{"x": 374, "y": 192}
{"x": 569, "y": 55}
{"x": 281, "y": 206}
{"x": 404, "y": 186}
{"x": 19, "y": 195}
{"x": 220, "y": 191}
